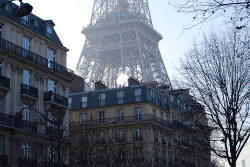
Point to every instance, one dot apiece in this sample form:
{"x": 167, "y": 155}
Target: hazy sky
{"x": 71, "y": 16}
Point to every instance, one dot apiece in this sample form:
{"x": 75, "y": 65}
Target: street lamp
{"x": 23, "y": 10}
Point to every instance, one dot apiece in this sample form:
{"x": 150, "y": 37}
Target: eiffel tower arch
{"x": 121, "y": 40}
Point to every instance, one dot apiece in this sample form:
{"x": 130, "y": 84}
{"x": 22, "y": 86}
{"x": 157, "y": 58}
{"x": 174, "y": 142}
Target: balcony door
{"x": 26, "y": 77}
{"x": 51, "y": 89}
{"x": 26, "y": 114}
{"x": 51, "y": 55}
{"x": 26, "y": 46}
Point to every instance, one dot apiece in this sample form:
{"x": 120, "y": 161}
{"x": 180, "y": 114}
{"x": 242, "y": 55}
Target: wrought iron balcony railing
{"x": 16, "y": 122}
{"x": 29, "y": 90}
{"x": 7, "y": 120}
{"x": 3, "y": 160}
{"x": 180, "y": 125}
{"x": 55, "y": 98}
{"x": 4, "y": 82}
{"x": 126, "y": 119}
{"x": 35, "y": 58}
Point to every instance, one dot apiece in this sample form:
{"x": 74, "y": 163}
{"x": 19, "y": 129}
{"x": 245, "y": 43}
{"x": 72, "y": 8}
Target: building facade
{"x": 121, "y": 41}
{"x": 34, "y": 88}
{"x": 137, "y": 125}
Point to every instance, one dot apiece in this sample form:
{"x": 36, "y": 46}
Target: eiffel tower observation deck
{"x": 120, "y": 43}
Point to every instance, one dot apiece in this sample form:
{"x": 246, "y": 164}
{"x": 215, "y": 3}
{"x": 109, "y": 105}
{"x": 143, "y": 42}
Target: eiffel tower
{"x": 121, "y": 41}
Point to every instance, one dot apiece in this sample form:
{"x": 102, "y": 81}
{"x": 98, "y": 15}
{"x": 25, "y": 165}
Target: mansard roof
{"x": 40, "y": 29}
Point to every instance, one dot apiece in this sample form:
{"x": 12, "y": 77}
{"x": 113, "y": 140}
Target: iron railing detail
{"x": 4, "y": 82}
{"x": 55, "y": 98}
{"x": 29, "y": 90}
{"x": 125, "y": 119}
{"x": 35, "y": 58}
{"x": 17, "y": 122}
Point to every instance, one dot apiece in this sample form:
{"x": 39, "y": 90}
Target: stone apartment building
{"x": 34, "y": 89}
{"x": 137, "y": 125}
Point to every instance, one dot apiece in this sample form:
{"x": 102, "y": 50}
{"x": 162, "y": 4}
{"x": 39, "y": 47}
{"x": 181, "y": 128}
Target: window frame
{"x": 49, "y": 31}
{"x": 84, "y": 101}
{"x": 138, "y": 95}
{"x": 101, "y": 99}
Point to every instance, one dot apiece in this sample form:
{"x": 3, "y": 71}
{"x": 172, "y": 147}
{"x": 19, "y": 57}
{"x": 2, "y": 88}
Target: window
{"x": 26, "y": 114}
{"x": 52, "y": 86}
{"x": 120, "y": 135}
{"x": 70, "y": 103}
{"x": 100, "y": 137}
{"x": 25, "y": 20}
{"x": 152, "y": 95}
{"x": 26, "y": 77}
{"x": 101, "y": 100}
{"x": 162, "y": 117}
{"x": 137, "y": 134}
{"x": 53, "y": 155}
{"x": 120, "y": 115}
{"x": 121, "y": 155}
{"x": 26, "y": 47}
{"x": 37, "y": 23}
{"x": 26, "y": 149}
{"x": 101, "y": 117}
{"x": 156, "y": 135}
{"x": 8, "y": 7}
{"x": 51, "y": 55}
{"x": 51, "y": 90}
{"x": 120, "y": 97}
{"x": 84, "y": 102}
{"x": 156, "y": 155}
{"x": 164, "y": 152}
{"x": 137, "y": 95}
{"x": 163, "y": 136}
{"x": 83, "y": 119}
{"x": 49, "y": 31}
{"x": 138, "y": 154}
{"x": 100, "y": 158}
{"x": 138, "y": 113}
{"x": 154, "y": 114}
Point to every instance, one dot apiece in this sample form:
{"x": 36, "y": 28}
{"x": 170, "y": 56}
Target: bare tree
{"x": 90, "y": 149}
{"x": 218, "y": 71}
{"x": 234, "y": 11}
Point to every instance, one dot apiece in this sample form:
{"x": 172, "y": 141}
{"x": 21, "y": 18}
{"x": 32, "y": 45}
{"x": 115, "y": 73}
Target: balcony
{"x": 28, "y": 94}
{"x": 35, "y": 58}
{"x": 3, "y": 160}
{"x": 17, "y": 123}
{"x": 27, "y": 162}
{"x": 138, "y": 138}
{"x": 4, "y": 85}
{"x": 125, "y": 120}
{"x": 7, "y": 120}
{"x": 55, "y": 102}
{"x": 179, "y": 125}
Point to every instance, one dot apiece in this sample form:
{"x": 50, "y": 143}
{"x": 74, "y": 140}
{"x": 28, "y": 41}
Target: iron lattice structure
{"x": 120, "y": 39}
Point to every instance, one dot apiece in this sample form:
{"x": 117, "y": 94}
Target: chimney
{"x": 132, "y": 81}
{"x": 100, "y": 85}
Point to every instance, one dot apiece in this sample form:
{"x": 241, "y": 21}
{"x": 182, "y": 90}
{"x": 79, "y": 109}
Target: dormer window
{"x": 49, "y": 31}
{"x": 25, "y": 20}
{"x": 37, "y": 24}
{"x": 7, "y": 7}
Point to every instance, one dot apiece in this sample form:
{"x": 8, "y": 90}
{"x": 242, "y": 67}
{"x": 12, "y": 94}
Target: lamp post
{"x": 23, "y": 10}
